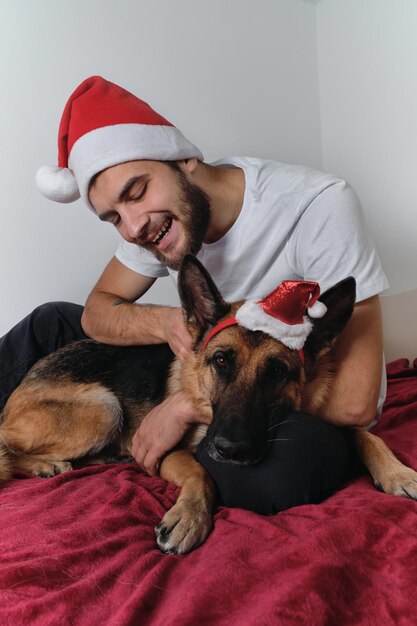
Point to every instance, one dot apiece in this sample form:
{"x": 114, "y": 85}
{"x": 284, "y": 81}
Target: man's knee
{"x": 56, "y": 323}
{"x": 307, "y": 460}
{"x": 57, "y": 310}
{"x": 49, "y": 327}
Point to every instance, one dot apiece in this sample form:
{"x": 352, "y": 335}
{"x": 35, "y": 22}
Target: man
{"x": 253, "y": 224}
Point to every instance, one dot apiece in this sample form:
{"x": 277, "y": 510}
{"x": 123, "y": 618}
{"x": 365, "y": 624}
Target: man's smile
{"x": 164, "y": 237}
{"x": 163, "y": 231}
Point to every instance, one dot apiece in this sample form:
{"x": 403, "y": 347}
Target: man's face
{"x": 155, "y": 206}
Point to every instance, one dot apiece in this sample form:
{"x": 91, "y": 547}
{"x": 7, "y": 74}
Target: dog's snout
{"x": 228, "y": 449}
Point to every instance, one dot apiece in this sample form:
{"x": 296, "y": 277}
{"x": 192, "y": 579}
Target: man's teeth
{"x": 161, "y": 234}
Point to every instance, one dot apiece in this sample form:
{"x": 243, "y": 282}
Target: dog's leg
{"x": 187, "y": 524}
{"x": 388, "y": 473}
{"x": 44, "y": 427}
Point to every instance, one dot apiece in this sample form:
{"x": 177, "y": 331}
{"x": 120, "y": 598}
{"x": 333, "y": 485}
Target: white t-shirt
{"x": 296, "y": 223}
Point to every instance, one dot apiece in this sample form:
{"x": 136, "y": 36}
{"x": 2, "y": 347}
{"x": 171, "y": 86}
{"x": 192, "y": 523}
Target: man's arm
{"x": 354, "y": 395}
{"x": 110, "y": 315}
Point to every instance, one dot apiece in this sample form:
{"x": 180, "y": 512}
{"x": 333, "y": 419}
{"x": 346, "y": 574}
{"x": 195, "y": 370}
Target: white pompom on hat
{"x": 57, "y": 183}
{"x": 104, "y": 125}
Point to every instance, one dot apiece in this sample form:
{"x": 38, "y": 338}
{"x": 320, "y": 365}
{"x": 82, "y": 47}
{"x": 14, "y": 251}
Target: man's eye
{"x": 139, "y": 195}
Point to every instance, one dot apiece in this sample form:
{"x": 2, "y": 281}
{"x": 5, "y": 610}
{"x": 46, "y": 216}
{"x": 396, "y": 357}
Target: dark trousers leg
{"x": 307, "y": 460}
{"x": 49, "y": 327}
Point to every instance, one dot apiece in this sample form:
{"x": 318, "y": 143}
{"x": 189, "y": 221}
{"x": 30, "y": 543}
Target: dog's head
{"x": 246, "y": 380}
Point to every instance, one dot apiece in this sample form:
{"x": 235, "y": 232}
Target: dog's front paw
{"x": 400, "y": 482}
{"x": 183, "y": 528}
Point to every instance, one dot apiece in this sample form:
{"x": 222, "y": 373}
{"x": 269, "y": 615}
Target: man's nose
{"x": 135, "y": 225}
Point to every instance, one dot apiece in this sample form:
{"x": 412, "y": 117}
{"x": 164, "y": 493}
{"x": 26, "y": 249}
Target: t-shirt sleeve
{"x": 330, "y": 242}
{"x": 140, "y": 260}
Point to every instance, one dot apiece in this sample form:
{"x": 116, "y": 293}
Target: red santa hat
{"x": 281, "y": 314}
{"x": 103, "y": 125}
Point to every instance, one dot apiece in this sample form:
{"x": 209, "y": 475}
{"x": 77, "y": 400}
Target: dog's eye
{"x": 220, "y": 361}
{"x": 277, "y": 369}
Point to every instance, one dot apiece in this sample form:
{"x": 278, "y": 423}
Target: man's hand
{"x": 176, "y": 333}
{"x": 161, "y": 430}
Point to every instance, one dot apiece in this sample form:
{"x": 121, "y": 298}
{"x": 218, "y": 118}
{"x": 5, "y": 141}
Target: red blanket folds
{"x": 79, "y": 549}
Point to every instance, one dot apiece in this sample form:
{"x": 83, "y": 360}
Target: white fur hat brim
{"x": 105, "y": 147}
{"x": 252, "y": 316}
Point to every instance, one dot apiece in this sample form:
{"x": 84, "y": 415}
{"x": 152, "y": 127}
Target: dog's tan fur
{"x": 47, "y": 423}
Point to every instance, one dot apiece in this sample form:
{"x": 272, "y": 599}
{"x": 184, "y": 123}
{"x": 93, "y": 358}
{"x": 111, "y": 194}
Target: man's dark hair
{"x": 173, "y": 164}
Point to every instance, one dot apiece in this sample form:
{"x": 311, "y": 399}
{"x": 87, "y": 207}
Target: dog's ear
{"x": 199, "y": 296}
{"x": 339, "y": 300}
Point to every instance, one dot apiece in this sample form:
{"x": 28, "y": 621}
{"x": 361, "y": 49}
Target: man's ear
{"x": 188, "y": 165}
{"x": 339, "y": 301}
{"x": 199, "y": 295}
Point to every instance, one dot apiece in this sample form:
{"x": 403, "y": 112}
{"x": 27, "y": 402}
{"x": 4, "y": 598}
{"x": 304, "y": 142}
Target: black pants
{"x": 49, "y": 327}
{"x": 307, "y": 459}
{"x": 306, "y": 462}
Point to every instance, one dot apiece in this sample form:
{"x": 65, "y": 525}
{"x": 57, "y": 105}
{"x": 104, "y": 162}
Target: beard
{"x": 194, "y": 212}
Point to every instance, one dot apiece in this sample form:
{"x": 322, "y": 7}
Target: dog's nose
{"x": 231, "y": 449}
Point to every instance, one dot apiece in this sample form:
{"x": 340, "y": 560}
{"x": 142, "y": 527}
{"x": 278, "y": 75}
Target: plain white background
{"x": 237, "y": 77}
{"x": 328, "y": 84}
{"x": 367, "y": 60}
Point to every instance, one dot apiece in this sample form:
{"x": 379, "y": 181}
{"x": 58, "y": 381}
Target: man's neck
{"x": 225, "y": 186}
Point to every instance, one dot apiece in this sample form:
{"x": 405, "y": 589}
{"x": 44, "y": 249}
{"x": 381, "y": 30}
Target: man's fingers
{"x": 182, "y": 353}
{"x": 139, "y": 449}
{"x": 161, "y": 430}
{"x": 146, "y": 459}
{"x": 187, "y": 341}
{"x": 151, "y": 464}
{"x": 135, "y": 448}
{"x": 181, "y": 348}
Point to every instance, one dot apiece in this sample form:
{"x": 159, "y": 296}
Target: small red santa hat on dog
{"x": 104, "y": 125}
{"x": 281, "y": 314}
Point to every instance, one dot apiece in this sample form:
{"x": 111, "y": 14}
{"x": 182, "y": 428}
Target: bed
{"x": 79, "y": 549}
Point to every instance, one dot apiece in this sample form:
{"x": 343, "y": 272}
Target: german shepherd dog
{"x": 86, "y": 401}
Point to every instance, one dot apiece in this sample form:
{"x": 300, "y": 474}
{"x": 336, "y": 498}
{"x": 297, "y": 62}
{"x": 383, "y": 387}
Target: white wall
{"x": 399, "y": 312}
{"x": 330, "y": 84}
{"x": 367, "y": 56}
{"x": 236, "y": 76}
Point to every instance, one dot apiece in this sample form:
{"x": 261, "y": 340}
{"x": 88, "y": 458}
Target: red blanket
{"x": 79, "y": 549}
